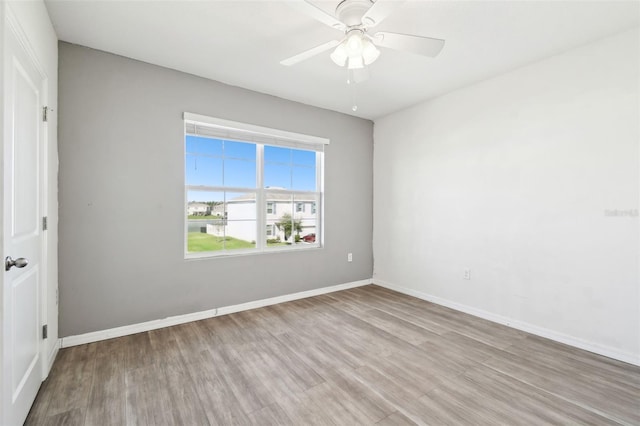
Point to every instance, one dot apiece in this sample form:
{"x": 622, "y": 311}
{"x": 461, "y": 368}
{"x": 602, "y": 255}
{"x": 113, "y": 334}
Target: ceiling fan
{"x": 358, "y": 47}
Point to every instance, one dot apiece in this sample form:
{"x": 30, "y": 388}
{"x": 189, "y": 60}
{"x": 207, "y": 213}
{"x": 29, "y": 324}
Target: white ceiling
{"x": 242, "y": 42}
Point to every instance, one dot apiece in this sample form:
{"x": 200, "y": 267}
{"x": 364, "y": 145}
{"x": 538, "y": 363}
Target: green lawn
{"x": 198, "y": 241}
{"x": 277, "y": 244}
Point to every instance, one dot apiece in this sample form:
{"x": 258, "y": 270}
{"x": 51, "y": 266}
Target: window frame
{"x": 260, "y": 137}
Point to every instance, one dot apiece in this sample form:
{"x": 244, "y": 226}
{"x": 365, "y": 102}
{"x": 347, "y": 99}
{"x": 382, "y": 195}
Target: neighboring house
{"x": 218, "y": 209}
{"x": 198, "y": 209}
{"x": 241, "y": 217}
{"x": 301, "y": 208}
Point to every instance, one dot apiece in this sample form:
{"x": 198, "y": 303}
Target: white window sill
{"x": 251, "y": 252}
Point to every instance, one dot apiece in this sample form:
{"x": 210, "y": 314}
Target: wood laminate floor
{"x": 362, "y": 356}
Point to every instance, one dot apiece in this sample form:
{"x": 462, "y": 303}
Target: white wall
{"x": 511, "y": 177}
{"x": 33, "y": 18}
{"x": 2, "y": 249}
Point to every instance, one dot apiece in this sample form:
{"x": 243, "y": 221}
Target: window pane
{"x": 240, "y": 234}
{"x": 280, "y": 220}
{"x": 277, "y": 176}
{"x": 240, "y": 173}
{"x": 274, "y": 154}
{"x": 241, "y": 206}
{"x": 303, "y": 158}
{"x": 206, "y": 146}
{"x": 205, "y": 203}
{"x": 242, "y": 150}
{"x": 306, "y": 218}
{"x": 241, "y": 222}
{"x": 304, "y": 178}
{"x": 275, "y": 234}
{"x": 308, "y": 231}
{"x": 201, "y": 170}
{"x": 282, "y": 203}
{"x": 284, "y": 228}
{"x": 205, "y": 221}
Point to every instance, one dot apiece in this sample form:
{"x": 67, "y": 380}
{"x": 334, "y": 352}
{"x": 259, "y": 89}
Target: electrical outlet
{"x": 467, "y": 274}
{"x": 349, "y": 257}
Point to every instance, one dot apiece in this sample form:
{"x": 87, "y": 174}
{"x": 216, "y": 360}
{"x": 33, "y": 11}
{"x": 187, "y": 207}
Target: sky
{"x": 216, "y": 162}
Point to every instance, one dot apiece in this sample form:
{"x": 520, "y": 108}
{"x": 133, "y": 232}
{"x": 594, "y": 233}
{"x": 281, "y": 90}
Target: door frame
{"x": 10, "y": 27}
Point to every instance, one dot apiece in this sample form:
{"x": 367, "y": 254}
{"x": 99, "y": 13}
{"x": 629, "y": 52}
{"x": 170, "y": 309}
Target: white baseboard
{"x": 519, "y": 325}
{"x": 126, "y": 330}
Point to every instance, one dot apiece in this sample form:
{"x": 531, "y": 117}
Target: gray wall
{"x": 121, "y": 195}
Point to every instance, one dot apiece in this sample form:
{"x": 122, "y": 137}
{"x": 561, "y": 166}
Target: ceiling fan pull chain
{"x": 351, "y": 82}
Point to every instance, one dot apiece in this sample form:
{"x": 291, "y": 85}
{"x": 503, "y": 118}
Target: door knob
{"x": 20, "y": 262}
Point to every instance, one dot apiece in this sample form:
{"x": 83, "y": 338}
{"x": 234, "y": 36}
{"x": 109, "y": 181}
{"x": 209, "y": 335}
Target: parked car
{"x": 309, "y": 238}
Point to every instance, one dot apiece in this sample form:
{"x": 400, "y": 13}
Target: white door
{"x": 21, "y": 326}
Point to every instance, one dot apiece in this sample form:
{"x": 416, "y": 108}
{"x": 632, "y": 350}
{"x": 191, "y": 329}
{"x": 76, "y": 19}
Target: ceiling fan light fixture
{"x": 354, "y": 43}
{"x": 355, "y": 62}
{"x": 355, "y": 51}
{"x": 369, "y": 52}
{"x": 339, "y": 55}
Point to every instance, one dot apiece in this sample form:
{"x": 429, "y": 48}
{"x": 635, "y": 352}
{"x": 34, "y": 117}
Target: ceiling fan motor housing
{"x": 350, "y": 12}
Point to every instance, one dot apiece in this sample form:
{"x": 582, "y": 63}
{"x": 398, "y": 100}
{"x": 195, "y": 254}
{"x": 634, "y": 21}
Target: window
{"x": 246, "y": 188}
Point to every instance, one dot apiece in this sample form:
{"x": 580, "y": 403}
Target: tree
{"x": 288, "y": 225}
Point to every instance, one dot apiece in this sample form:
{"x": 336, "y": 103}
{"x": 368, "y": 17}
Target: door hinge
{"x": 45, "y": 110}
{"x": 44, "y": 223}
{"x": 45, "y": 331}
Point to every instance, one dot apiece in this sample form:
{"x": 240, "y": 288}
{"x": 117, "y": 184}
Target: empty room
{"x": 320, "y": 212}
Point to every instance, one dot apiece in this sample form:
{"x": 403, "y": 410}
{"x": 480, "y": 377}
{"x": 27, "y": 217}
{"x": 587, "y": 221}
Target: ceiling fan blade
{"x": 316, "y": 13}
{"x": 309, "y": 53}
{"x": 425, "y": 46}
{"x": 379, "y": 11}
